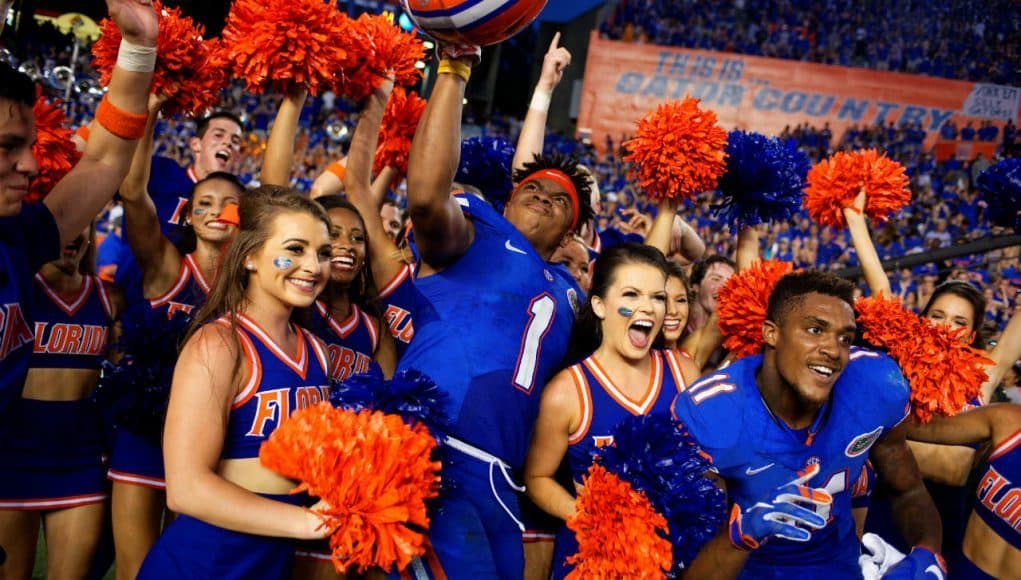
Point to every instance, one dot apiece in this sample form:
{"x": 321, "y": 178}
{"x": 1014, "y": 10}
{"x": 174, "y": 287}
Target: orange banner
{"x": 623, "y": 81}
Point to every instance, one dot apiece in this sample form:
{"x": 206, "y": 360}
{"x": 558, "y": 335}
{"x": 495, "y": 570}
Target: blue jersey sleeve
{"x": 880, "y": 386}
{"x": 712, "y": 411}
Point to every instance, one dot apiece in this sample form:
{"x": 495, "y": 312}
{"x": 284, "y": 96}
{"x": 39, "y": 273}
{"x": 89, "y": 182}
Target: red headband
{"x": 561, "y": 179}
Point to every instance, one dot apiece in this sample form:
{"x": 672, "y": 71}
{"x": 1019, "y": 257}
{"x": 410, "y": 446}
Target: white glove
{"x": 878, "y": 557}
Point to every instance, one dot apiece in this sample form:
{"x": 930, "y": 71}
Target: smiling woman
{"x": 243, "y": 369}
{"x": 582, "y": 405}
{"x": 172, "y": 283}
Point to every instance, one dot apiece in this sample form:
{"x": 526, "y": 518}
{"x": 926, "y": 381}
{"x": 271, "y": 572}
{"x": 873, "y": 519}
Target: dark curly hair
{"x": 573, "y": 170}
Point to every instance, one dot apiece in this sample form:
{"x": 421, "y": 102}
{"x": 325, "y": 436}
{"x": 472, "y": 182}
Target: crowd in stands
{"x": 944, "y": 209}
{"x": 977, "y": 40}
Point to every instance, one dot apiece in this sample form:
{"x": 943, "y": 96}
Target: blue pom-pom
{"x": 486, "y": 164}
{"x": 1001, "y": 190}
{"x": 658, "y": 458}
{"x": 410, "y": 394}
{"x": 133, "y": 393}
{"x": 764, "y": 182}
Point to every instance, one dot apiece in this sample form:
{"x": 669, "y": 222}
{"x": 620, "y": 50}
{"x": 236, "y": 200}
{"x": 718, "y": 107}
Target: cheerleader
{"x": 992, "y": 542}
{"x": 242, "y": 371}
{"x": 173, "y": 283}
{"x": 52, "y": 445}
{"x": 581, "y": 405}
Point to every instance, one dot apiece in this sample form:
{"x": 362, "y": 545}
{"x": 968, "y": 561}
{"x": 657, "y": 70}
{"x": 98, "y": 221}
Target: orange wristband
{"x": 83, "y": 132}
{"x": 337, "y": 169}
{"x": 129, "y": 126}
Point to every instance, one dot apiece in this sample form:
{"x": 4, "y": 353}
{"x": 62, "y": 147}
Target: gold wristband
{"x": 456, "y": 68}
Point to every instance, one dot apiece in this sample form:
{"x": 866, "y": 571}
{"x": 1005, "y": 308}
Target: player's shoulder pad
{"x": 712, "y": 408}
{"x": 876, "y": 381}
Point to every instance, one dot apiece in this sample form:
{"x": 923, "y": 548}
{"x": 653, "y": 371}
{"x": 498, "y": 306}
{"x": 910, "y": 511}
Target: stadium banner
{"x": 623, "y": 81}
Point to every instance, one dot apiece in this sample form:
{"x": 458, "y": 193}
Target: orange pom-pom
{"x": 399, "y": 124}
{"x": 678, "y": 151}
{"x": 380, "y": 49}
{"x": 54, "y": 151}
{"x": 741, "y": 305}
{"x": 279, "y": 44}
{"x": 187, "y": 69}
{"x": 945, "y": 373}
{"x": 619, "y": 533}
{"x": 834, "y": 183}
{"x": 374, "y": 471}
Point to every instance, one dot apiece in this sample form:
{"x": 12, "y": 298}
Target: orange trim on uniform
{"x": 254, "y": 367}
{"x": 319, "y": 348}
{"x": 71, "y": 308}
{"x": 370, "y": 326}
{"x": 639, "y": 407}
{"x": 104, "y": 297}
{"x": 399, "y": 279}
{"x": 190, "y": 262}
{"x": 341, "y": 329}
{"x": 183, "y": 273}
{"x": 297, "y": 363}
{"x": 1006, "y": 446}
{"x": 585, "y": 400}
{"x": 675, "y": 369}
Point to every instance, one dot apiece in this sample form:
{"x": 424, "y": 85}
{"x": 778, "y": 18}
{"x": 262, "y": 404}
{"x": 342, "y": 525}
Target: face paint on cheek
{"x": 200, "y": 211}
{"x": 625, "y": 312}
{"x": 281, "y": 263}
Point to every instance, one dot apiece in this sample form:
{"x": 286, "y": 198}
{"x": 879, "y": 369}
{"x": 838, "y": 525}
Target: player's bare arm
{"x": 913, "y": 508}
{"x": 442, "y": 232}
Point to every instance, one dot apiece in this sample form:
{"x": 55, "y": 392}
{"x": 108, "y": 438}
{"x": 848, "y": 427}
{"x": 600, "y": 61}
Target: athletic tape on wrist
{"x": 136, "y": 58}
{"x": 541, "y": 100}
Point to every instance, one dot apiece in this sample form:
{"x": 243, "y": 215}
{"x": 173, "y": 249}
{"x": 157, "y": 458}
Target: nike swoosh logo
{"x": 750, "y": 471}
{"x": 935, "y": 571}
{"x": 511, "y": 248}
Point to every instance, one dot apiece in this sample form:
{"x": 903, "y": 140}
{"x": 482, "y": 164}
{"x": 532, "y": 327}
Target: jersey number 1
{"x": 540, "y": 319}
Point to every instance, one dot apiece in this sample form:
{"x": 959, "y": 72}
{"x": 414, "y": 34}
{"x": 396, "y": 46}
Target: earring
{"x": 250, "y": 267}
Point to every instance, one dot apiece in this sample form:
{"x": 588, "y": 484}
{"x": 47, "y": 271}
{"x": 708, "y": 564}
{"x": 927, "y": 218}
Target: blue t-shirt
{"x": 27, "y": 241}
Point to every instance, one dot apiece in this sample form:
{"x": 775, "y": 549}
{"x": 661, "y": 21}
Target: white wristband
{"x": 541, "y": 100}
{"x": 135, "y": 58}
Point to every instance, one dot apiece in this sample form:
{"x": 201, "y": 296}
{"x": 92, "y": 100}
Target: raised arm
{"x": 384, "y": 255}
{"x": 684, "y": 240}
{"x": 84, "y": 191}
{"x": 533, "y": 131}
{"x": 279, "y": 157}
{"x": 330, "y": 181}
{"x": 871, "y": 266}
{"x": 203, "y": 389}
{"x": 442, "y": 232}
{"x": 662, "y": 227}
{"x": 157, "y": 258}
{"x": 1006, "y": 352}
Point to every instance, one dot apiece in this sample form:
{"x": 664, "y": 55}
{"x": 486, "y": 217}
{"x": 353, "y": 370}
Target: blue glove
{"x": 781, "y": 515}
{"x": 920, "y": 564}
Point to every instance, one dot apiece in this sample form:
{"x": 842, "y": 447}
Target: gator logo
{"x": 572, "y": 299}
{"x": 862, "y": 443}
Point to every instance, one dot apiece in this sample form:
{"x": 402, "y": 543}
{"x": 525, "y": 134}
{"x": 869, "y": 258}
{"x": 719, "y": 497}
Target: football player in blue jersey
{"x": 505, "y": 315}
{"x": 33, "y": 234}
{"x": 957, "y": 305}
{"x": 790, "y": 430}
